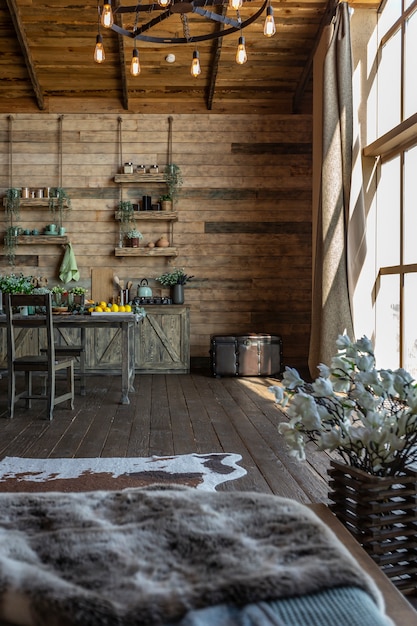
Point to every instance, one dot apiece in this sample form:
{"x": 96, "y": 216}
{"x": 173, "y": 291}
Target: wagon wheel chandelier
{"x": 156, "y": 12}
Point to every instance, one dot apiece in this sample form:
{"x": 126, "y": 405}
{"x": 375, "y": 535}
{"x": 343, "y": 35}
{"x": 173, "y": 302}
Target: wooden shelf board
{"x": 139, "y": 178}
{"x": 35, "y": 202}
{"x": 163, "y": 216}
{"x": 42, "y": 239}
{"x": 145, "y": 252}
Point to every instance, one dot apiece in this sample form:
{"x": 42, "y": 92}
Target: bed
{"x": 176, "y": 556}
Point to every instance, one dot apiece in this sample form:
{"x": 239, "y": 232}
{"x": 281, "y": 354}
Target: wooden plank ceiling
{"x": 46, "y": 60}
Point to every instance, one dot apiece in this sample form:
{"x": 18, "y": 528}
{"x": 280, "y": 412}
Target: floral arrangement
{"x": 368, "y": 416}
{"x": 134, "y": 234}
{"x": 16, "y": 283}
{"x": 176, "y": 277}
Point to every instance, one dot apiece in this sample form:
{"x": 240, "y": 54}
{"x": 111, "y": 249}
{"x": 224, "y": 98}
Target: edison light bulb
{"x": 269, "y": 26}
{"x": 99, "y": 55}
{"x": 195, "y": 65}
{"x": 164, "y": 3}
{"x": 135, "y": 65}
{"x": 107, "y": 15}
{"x": 241, "y": 56}
{"x": 235, "y": 4}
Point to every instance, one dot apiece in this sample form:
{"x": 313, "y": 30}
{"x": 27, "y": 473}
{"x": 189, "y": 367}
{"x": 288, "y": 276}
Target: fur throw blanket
{"x": 147, "y": 556}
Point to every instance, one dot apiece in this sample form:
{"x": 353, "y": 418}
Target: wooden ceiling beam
{"x": 27, "y": 55}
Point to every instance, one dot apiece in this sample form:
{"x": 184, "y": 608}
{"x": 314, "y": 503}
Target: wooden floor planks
{"x": 171, "y": 414}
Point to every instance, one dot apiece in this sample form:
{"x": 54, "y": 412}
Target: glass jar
{"x": 154, "y": 169}
{"x": 128, "y": 168}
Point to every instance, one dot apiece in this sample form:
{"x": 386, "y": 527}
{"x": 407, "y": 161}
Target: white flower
{"x": 323, "y": 387}
{"x": 343, "y": 342}
{"x": 278, "y": 391}
{"x": 324, "y": 370}
{"x": 369, "y": 416}
{"x": 329, "y": 439}
{"x": 294, "y": 440}
{"x": 291, "y": 378}
{"x": 365, "y": 345}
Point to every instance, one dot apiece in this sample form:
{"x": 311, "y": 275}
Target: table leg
{"x": 132, "y": 356}
{"x": 128, "y": 361}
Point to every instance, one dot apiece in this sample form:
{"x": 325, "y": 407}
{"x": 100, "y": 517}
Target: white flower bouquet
{"x": 368, "y": 416}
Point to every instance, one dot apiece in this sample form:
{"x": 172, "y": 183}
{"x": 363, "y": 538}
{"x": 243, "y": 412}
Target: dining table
{"x": 127, "y": 322}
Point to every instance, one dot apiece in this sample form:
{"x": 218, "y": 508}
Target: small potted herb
{"x": 133, "y": 237}
{"x": 57, "y": 294}
{"x": 166, "y": 202}
{"x": 176, "y": 281}
{"x": 76, "y": 295}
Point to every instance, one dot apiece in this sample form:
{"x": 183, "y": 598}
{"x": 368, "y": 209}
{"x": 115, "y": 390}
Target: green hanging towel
{"x": 69, "y": 270}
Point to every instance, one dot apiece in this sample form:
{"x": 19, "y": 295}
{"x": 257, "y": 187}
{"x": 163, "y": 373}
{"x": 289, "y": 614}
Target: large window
{"x": 396, "y": 196}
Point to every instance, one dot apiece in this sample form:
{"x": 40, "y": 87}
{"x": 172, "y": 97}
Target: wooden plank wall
{"x": 244, "y": 227}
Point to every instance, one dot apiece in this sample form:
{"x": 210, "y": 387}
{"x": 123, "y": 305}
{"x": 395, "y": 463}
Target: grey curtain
{"x": 331, "y": 308}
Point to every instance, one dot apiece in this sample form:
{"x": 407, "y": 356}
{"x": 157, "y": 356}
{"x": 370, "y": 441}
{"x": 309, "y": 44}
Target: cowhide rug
{"x": 147, "y": 556}
{"x": 203, "y": 471}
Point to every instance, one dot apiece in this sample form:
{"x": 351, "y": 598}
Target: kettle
{"x": 144, "y": 291}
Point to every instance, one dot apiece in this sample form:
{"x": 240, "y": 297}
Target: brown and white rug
{"x": 202, "y": 471}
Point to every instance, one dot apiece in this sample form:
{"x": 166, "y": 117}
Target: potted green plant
{"x": 176, "y": 281}
{"x": 10, "y": 283}
{"x": 166, "y": 202}
{"x": 76, "y": 295}
{"x": 16, "y": 283}
{"x": 173, "y": 180}
{"x": 134, "y": 236}
{"x": 57, "y": 293}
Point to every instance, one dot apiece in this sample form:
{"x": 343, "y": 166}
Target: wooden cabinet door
{"x": 163, "y": 344}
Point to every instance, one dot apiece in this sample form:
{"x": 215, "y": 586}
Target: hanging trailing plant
{"x": 13, "y": 202}
{"x": 59, "y": 201}
{"x": 10, "y": 243}
{"x": 125, "y": 214}
{"x": 173, "y": 179}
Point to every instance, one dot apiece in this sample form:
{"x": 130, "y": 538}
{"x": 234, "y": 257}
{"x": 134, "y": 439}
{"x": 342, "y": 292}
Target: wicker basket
{"x": 381, "y": 513}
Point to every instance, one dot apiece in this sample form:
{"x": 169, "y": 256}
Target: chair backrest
{"x": 43, "y": 319}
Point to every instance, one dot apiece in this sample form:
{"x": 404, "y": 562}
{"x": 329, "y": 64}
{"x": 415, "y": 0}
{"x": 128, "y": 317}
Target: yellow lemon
{"x": 103, "y": 304}
{"x": 107, "y": 309}
{"x": 91, "y": 309}
{"x": 122, "y": 309}
{"x": 98, "y": 309}
{"x": 114, "y": 308}
{"x": 128, "y": 308}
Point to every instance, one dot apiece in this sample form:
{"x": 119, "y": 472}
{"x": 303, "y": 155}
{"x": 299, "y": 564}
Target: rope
{"x": 60, "y": 120}
{"x": 10, "y": 118}
{"x": 120, "y": 120}
{"x": 169, "y": 159}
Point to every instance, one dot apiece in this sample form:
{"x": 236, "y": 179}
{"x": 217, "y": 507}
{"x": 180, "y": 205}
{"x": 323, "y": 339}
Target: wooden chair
{"x": 45, "y": 364}
{"x": 76, "y": 351}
